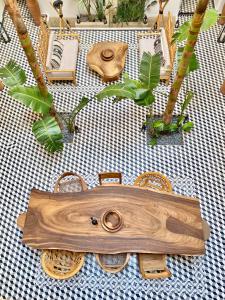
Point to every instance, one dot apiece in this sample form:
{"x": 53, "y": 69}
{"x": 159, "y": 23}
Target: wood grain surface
{"x": 153, "y": 222}
{"x": 108, "y": 59}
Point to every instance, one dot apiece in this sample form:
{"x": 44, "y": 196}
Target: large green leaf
{"x": 187, "y": 101}
{"x": 31, "y": 97}
{"x": 210, "y": 19}
{"x": 12, "y": 74}
{"x": 193, "y": 64}
{"x": 182, "y": 32}
{"x": 150, "y": 70}
{"x": 147, "y": 99}
{"x": 48, "y": 134}
{"x": 83, "y": 102}
{"x": 118, "y": 90}
{"x": 132, "y": 83}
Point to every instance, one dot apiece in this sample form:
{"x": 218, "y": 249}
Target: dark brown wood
{"x": 63, "y": 221}
{"x": 109, "y": 175}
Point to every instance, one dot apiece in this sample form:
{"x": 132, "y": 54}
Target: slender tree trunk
{"x": 222, "y": 89}
{"x": 222, "y": 18}
{"x": 1, "y": 85}
{"x": 14, "y": 13}
{"x": 183, "y": 65}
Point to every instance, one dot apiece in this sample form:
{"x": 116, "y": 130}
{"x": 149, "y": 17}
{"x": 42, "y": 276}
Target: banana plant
{"x": 46, "y": 130}
{"x": 141, "y": 90}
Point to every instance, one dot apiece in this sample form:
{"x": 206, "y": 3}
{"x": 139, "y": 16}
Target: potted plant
{"x": 95, "y": 15}
{"x": 130, "y": 13}
{"x": 143, "y": 91}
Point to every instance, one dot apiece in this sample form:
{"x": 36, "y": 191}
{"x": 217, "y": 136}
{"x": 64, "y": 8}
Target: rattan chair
{"x": 153, "y": 266}
{"x": 61, "y": 264}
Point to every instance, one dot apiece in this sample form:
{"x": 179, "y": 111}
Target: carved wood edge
{"x": 109, "y": 175}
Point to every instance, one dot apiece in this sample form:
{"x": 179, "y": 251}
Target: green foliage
{"x": 70, "y": 122}
{"x": 12, "y": 74}
{"x": 48, "y": 134}
{"x": 186, "y": 102}
{"x": 119, "y": 90}
{"x": 150, "y": 70}
{"x": 46, "y": 130}
{"x": 99, "y": 6}
{"x": 193, "y": 64}
{"x": 188, "y": 126}
{"x": 159, "y": 127}
{"x": 140, "y": 91}
{"x": 130, "y": 11}
{"x": 32, "y": 98}
{"x": 210, "y": 20}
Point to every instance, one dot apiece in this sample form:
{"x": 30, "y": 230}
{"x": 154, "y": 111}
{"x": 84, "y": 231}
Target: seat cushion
{"x": 147, "y": 44}
{"x": 70, "y": 53}
{"x": 68, "y": 61}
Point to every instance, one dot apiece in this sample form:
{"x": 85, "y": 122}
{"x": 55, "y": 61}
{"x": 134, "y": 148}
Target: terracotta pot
{"x": 34, "y": 9}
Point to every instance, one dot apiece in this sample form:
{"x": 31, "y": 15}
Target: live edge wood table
{"x": 114, "y": 219}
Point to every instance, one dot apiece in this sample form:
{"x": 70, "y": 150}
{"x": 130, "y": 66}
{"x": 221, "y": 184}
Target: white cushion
{"x": 146, "y": 44}
{"x": 69, "y": 59}
{"x": 49, "y": 55}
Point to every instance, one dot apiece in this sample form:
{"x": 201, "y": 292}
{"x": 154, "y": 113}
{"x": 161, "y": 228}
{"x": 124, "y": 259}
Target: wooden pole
{"x": 222, "y": 89}
{"x": 1, "y": 86}
{"x": 15, "y": 15}
{"x": 222, "y": 18}
{"x": 185, "y": 60}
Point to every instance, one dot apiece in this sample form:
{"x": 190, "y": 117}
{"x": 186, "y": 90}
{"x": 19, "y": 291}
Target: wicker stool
{"x": 61, "y": 264}
{"x": 113, "y": 263}
{"x": 155, "y": 181}
{"x": 153, "y": 266}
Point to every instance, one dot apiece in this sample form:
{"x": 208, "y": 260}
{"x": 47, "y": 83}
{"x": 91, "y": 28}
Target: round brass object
{"x": 112, "y": 221}
{"x": 107, "y": 54}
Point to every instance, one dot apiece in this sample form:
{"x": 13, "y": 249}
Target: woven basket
{"x": 62, "y": 264}
{"x": 112, "y": 263}
{"x": 155, "y": 181}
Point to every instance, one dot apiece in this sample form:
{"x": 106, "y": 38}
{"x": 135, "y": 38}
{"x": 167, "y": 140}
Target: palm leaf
{"x": 48, "y": 134}
{"x": 150, "y": 70}
{"x": 210, "y": 19}
{"x": 31, "y": 97}
{"x": 118, "y": 90}
{"x": 193, "y": 63}
{"x": 12, "y": 74}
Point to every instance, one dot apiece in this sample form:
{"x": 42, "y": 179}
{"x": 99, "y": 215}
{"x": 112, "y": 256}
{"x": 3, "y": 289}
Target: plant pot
{"x": 83, "y": 22}
{"x": 172, "y": 138}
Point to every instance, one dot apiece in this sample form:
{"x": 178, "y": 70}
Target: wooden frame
{"x": 169, "y": 30}
{"x": 43, "y": 44}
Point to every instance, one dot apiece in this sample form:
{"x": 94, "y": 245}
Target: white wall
{"x": 70, "y": 8}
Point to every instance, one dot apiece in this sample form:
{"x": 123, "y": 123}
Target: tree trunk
{"x": 1, "y": 86}
{"x": 222, "y": 89}
{"x": 183, "y": 65}
{"x": 14, "y": 13}
{"x": 222, "y": 18}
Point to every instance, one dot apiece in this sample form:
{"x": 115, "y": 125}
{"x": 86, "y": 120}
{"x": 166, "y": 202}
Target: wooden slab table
{"x": 146, "y": 221}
